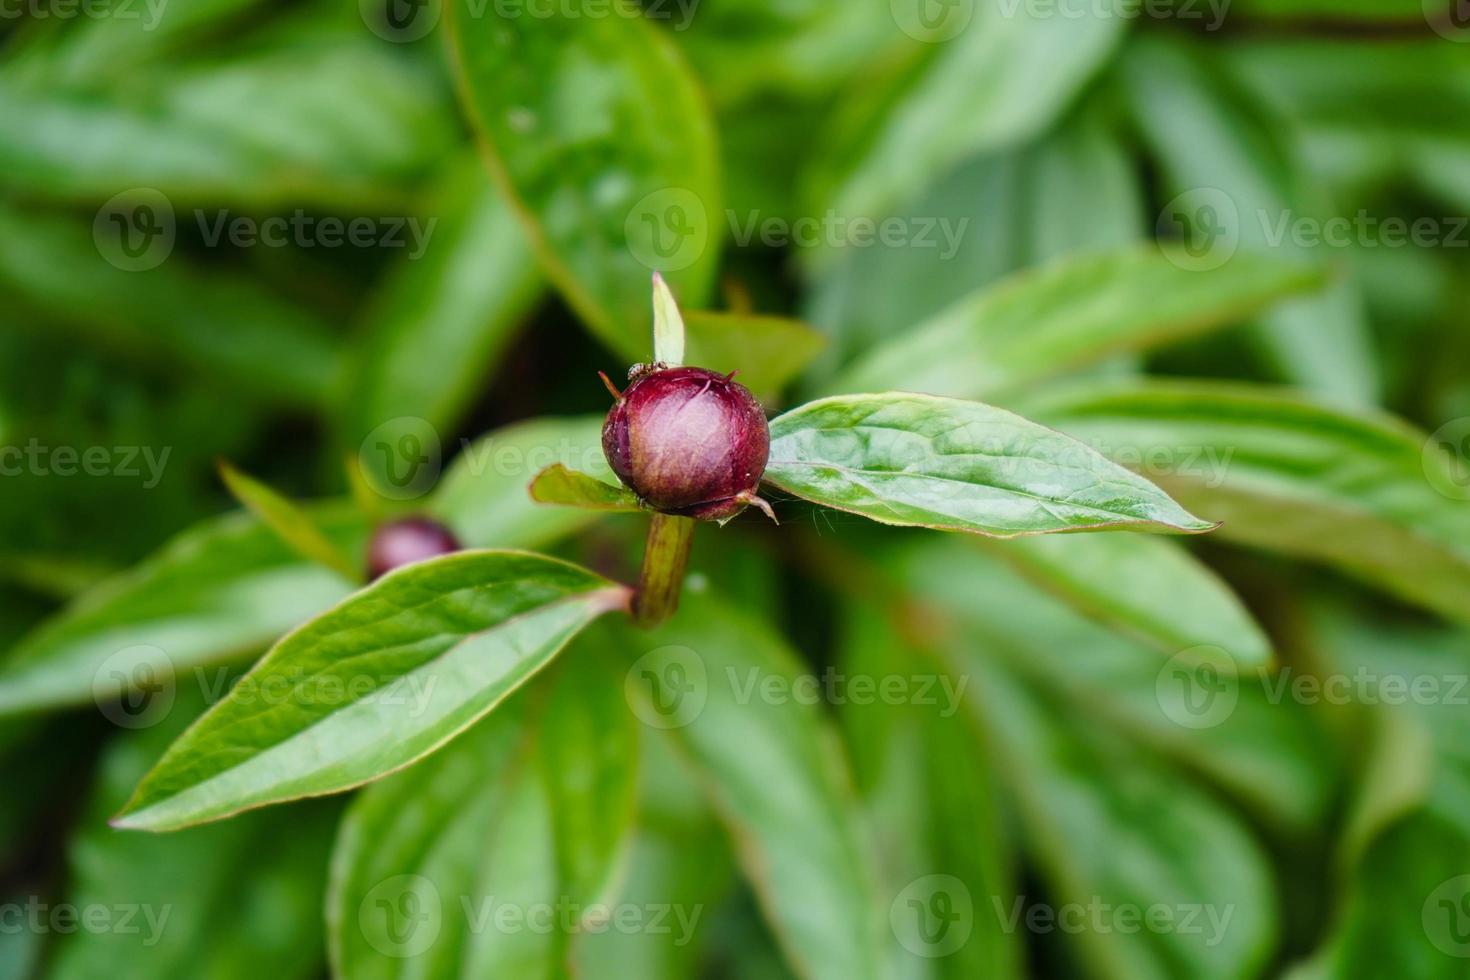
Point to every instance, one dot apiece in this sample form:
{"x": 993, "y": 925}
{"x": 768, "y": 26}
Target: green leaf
{"x": 335, "y": 118}
{"x": 804, "y": 47}
{"x": 767, "y": 352}
{"x": 1404, "y": 873}
{"x": 437, "y": 328}
{"x": 1070, "y": 314}
{"x": 674, "y": 822}
{"x": 1110, "y": 828}
{"x": 289, "y": 521}
{"x": 998, "y": 81}
{"x": 776, "y": 778}
{"x": 1197, "y": 708}
{"x": 424, "y": 857}
{"x": 668, "y": 325}
{"x": 932, "y": 798}
{"x": 921, "y": 461}
{"x": 1236, "y": 179}
{"x": 530, "y": 812}
{"x": 1365, "y": 493}
{"x": 224, "y": 588}
{"x": 1074, "y": 189}
{"x": 221, "y": 901}
{"x": 216, "y": 322}
{"x": 559, "y": 485}
{"x": 595, "y": 127}
{"x": 381, "y": 680}
{"x": 483, "y": 496}
{"x": 1146, "y": 587}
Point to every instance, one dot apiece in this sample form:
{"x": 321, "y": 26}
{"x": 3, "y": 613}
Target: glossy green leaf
{"x": 530, "y": 812}
{"x": 999, "y": 79}
{"x": 569, "y": 488}
{"x": 379, "y": 681}
{"x": 766, "y": 352}
{"x": 921, "y": 461}
{"x": 1070, "y": 314}
{"x": 484, "y": 498}
{"x": 1363, "y": 492}
{"x": 1234, "y": 179}
{"x": 1146, "y": 587}
{"x": 776, "y": 778}
{"x": 439, "y": 324}
{"x": 292, "y": 524}
{"x": 214, "y": 322}
{"x": 595, "y": 127}
{"x": 222, "y": 589}
{"x": 224, "y": 901}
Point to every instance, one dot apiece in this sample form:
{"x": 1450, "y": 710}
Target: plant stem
{"x": 665, "y": 557}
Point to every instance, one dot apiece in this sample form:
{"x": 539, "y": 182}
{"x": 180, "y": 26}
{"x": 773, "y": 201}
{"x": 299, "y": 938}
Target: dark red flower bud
{"x": 688, "y": 441}
{"x": 406, "y": 541}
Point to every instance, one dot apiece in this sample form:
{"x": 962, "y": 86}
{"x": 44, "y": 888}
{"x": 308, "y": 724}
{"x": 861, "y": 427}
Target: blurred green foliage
{"x": 1225, "y": 243}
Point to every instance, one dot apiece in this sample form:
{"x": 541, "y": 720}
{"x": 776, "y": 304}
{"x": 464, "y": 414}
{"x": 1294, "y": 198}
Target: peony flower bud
{"x": 688, "y": 442}
{"x": 406, "y": 541}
